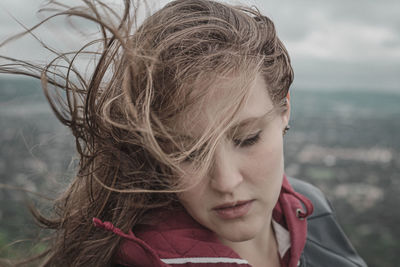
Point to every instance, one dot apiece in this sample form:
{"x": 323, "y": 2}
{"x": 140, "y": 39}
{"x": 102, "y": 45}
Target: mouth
{"x": 233, "y": 210}
{"x": 231, "y": 204}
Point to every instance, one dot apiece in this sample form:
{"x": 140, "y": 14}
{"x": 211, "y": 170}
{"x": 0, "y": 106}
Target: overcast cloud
{"x": 333, "y": 44}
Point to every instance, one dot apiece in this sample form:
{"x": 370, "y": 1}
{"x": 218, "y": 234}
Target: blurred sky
{"x": 333, "y": 44}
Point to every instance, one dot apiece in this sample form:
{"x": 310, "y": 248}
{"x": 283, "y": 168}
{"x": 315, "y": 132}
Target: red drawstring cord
{"x": 110, "y": 227}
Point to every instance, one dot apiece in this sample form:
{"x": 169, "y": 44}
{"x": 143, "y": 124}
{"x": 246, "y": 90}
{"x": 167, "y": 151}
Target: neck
{"x": 262, "y": 250}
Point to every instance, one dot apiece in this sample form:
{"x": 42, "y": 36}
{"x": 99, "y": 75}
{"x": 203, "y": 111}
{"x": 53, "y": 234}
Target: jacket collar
{"x": 290, "y": 211}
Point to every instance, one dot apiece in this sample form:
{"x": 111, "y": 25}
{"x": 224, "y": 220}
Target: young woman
{"x": 180, "y": 134}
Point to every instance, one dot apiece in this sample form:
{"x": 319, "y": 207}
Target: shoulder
{"x": 178, "y": 240}
{"x": 326, "y": 245}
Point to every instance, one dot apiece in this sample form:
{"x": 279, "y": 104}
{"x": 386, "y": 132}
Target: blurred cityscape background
{"x": 345, "y": 135}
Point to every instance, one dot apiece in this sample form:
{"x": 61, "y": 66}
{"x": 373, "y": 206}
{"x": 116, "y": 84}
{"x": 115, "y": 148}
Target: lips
{"x": 233, "y": 210}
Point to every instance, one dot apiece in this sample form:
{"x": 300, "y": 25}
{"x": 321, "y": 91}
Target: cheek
{"x": 266, "y": 173}
{"x": 267, "y": 157}
{"x": 191, "y": 199}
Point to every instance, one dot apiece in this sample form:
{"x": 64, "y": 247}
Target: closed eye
{"x": 251, "y": 140}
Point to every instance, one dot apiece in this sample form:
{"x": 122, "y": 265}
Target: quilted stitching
{"x": 169, "y": 244}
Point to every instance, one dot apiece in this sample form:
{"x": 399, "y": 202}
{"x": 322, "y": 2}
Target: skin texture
{"x": 251, "y": 171}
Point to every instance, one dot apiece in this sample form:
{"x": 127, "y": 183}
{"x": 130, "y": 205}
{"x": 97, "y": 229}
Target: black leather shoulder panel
{"x": 327, "y": 244}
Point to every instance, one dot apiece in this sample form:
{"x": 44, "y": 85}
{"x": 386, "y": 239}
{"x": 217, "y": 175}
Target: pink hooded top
{"x": 178, "y": 240}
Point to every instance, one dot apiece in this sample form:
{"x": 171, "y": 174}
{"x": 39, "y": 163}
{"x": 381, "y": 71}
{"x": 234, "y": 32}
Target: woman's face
{"x": 236, "y": 198}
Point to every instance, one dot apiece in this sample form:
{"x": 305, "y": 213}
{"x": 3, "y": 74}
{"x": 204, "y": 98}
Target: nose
{"x": 225, "y": 174}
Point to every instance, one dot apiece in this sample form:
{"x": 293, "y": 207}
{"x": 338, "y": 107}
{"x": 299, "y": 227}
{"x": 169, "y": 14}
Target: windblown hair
{"x": 124, "y": 118}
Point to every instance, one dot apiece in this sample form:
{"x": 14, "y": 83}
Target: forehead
{"x": 259, "y": 101}
{"x": 218, "y": 103}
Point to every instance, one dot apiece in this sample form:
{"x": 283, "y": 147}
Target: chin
{"x": 240, "y": 237}
{"x": 239, "y": 234}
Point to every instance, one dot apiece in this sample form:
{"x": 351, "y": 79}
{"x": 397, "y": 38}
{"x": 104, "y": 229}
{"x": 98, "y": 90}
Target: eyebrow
{"x": 252, "y": 121}
{"x": 243, "y": 125}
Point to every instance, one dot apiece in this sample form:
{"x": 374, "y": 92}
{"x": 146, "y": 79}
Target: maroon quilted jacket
{"x": 178, "y": 240}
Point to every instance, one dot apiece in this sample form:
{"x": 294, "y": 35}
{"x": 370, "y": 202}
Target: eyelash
{"x": 248, "y": 141}
{"x": 240, "y": 143}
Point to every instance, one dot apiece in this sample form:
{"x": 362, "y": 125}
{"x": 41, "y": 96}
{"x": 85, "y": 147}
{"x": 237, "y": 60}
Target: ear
{"x": 286, "y": 114}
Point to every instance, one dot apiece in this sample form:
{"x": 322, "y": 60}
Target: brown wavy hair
{"x": 124, "y": 117}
